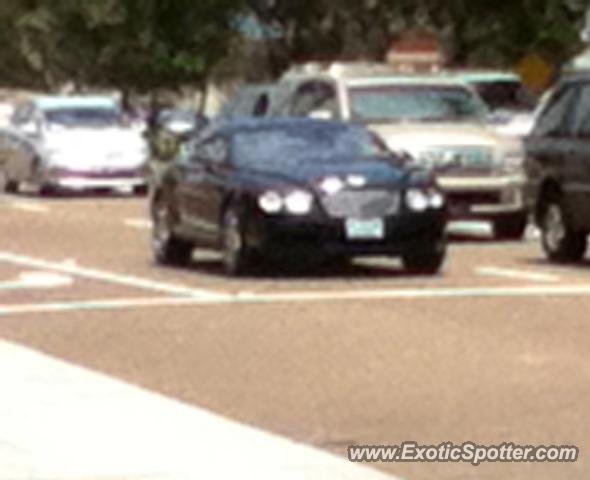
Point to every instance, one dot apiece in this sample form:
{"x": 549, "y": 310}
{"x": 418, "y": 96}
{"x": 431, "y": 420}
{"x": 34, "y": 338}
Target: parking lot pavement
{"x": 494, "y": 349}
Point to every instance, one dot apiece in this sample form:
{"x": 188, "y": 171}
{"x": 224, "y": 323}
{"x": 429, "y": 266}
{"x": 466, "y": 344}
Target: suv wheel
{"x": 168, "y": 249}
{"x": 426, "y": 261}
{"x": 236, "y": 255}
{"x": 560, "y": 242}
{"x": 510, "y": 228}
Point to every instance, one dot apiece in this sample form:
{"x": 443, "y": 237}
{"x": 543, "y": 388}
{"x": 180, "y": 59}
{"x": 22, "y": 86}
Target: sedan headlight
{"x": 270, "y": 202}
{"x": 417, "y": 200}
{"x": 436, "y": 199}
{"x": 420, "y": 200}
{"x": 295, "y": 202}
{"x": 298, "y": 202}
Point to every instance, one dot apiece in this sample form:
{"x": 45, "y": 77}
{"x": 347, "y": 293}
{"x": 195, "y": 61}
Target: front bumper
{"x": 403, "y": 233}
{"x": 80, "y": 180}
{"x": 484, "y": 197}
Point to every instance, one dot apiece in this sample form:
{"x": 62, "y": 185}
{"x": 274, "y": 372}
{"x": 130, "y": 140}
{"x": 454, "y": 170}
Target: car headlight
{"x": 298, "y": 202}
{"x": 270, "y": 202}
{"x": 417, "y": 200}
{"x": 436, "y": 199}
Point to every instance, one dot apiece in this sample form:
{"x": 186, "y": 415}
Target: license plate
{"x": 365, "y": 229}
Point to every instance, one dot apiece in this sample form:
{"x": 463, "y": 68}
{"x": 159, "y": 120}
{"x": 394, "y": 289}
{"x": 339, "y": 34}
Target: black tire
{"x": 560, "y": 242}
{"x": 426, "y": 261}
{"x": 510, "y": 228}
{"x": 167, "y": 248}
{"x": 140, "y": 190}
{"x": 11, "y": 186}
{"x": 48, "y": 190}
{"x": 6, "y": 184}
{"x": 237, "y": 257}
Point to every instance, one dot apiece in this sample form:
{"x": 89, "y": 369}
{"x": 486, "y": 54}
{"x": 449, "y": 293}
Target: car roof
{"x": 481, "y": 76}
{"x": 407, "y": 79}
{"x": 51, "y": 102}
{"x": 367, "y": 74}
{"x": 575, "y": 76}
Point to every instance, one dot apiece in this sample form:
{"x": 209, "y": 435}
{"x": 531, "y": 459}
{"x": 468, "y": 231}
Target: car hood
{"x": 373, "y": 172}
{"x": 111, "y": 147}
{"x": 104, "y": 139}
{"x": 414, "y": 138}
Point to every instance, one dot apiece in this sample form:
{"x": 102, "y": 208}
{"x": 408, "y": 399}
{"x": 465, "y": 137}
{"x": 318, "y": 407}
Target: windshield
{"x": 296, "y": 146}
{"x": 506, "y": 95}
{"x": 83, "y": 117}
{"x": 415, "y": 103}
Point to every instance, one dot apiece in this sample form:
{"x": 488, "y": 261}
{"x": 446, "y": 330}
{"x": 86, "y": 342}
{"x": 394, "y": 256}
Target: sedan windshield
{"x": 296, "y": 146}
{"x": 83, "y": 117}
{"x": 415, "y": 103}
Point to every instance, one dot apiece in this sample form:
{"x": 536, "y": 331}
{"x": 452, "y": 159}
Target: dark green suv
{"x": 558, "y": 169}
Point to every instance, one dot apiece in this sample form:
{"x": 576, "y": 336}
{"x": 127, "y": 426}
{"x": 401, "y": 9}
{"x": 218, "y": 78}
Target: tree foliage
{"x": 140, "y": 44}
{"x": 150, "y": 44}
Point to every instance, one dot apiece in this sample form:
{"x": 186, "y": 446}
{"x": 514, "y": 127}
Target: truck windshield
{"x": 415, "y": 103}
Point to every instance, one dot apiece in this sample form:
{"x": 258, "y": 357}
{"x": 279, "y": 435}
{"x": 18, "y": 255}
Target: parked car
{"x": 258, "y": 189}
{"x": 438, "y": 120}
{"x": 510, "y": 102}
{"x": 558, "y": 169}
{"x": 77, "y": 143}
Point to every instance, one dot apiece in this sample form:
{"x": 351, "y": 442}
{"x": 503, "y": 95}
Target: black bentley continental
{"x": 278, "y": 189}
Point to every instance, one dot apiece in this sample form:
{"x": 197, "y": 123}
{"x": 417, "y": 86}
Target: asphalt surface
{"x": 494, "y": 349}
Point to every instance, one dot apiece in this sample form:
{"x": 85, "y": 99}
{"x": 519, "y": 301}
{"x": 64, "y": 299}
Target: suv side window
{"x": 261, "y": 105}
{"x": 581, "y": 114}
{"x": 556, "y": 118}
{"x": 313, "y": 96}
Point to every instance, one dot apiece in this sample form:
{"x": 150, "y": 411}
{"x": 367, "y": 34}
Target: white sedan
{"x": 72, "y": 143}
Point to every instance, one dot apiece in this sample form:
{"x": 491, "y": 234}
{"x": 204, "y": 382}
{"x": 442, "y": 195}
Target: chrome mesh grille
{"x": 361, "y": 204}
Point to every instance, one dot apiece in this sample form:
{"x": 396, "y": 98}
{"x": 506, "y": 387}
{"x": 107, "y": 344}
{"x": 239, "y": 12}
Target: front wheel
{"x": 236, "y": 255}
{"x": 560, "y": 242}
{"x": 7, "y": 184}
{"x": 425, "y": 261}
{"x": 167, "y": 248}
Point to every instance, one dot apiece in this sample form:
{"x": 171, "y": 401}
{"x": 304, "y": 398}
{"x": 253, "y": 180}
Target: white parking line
{"x": 103, "y": 304}
{"x": 516, "y": 274}
{"x": 29, "y": 207}
{"x": 298, "y": 297}
{"x": 139, "y": 223}
{"x": 109, "y": 277}
{"x": 422, "y": 293}
{"x": 61, "y": 421}
{"x": 37, "y": 280}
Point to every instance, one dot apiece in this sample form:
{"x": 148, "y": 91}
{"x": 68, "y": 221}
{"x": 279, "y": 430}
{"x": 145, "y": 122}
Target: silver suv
{"x": 438, "y": 120}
